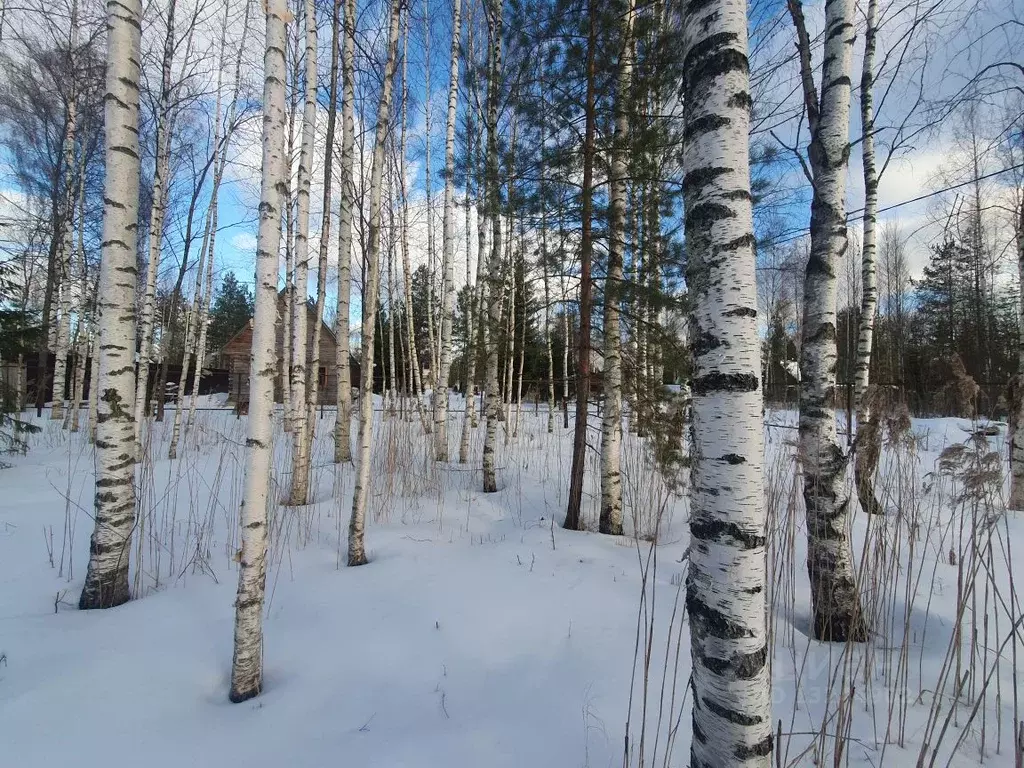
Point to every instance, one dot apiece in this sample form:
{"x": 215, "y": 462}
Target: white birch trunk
{"x": 429, "y": 201}
{"x": 343, "y": 422}
{"x": 71, "y": 423}
{"x": 726, "y": 582}
{"x": 285, "y": 363}
{"x": 611, "y": 422}
{"x": 300, "y": 447}
{"x": 63, "y": 310}
{"x": 493, "y": 204}
{"x": 247, "y": 661}
{"x": 325, "y": 236}
{"x": 469, "y": 407}
{"x": 204, "y": 316}
{"x": 84, "y": 324}
{"x": 482, "y": 265}
{"x": 869, "y": 288}
{"x": 834, "y": 596}
{"x": 106, "y": 580}
{"x": 417, "y": 371}
{"x": 475, "y": 325}
{"x": 392, "y": 366}
{"x": 471, "y": 288}
{"x": 868, "y": 432}
{"x": 156, "y": 232}
{"x": 356, "y": 543}
{"x": 63, "y": 325}
{"x": 447, "y": 249}
{"x": 510, "y": 350}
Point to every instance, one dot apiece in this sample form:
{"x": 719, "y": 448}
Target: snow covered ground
{"x": 481, "y": 633}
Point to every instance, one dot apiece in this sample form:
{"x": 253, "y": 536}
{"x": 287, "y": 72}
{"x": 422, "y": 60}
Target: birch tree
{"x": 470, "y": 349}
{"x": 416, "y": 380}
{"x": 300, "y": 312}
{"x": 86, "y": 318}
{"x": 473, "y": 319}
{"x": 156, "y": 228}
{"x": 428, "y": 113}
{"x": 247, "y": 661}
{"x": 285, "y": 363}
{"x": 726, "y": 580}
{"x": 866, "y": 432}
{"x": 218, "y": 175}
{"x": 66, "y": 248}
{"x": 356, "y": 544}
{"x": 343, "y": 422}
{"x": 902, "y": 132}
{"x": 106, "y": 579}
{"x": 447, "y": 249}
{"x": 493, "y": 206}
{"x": 611, "y": 424}
{"x": 834, "y": 595}
{"x": 325, "y": 231}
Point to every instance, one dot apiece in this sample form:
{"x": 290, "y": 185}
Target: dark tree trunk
{"x": 573, "y": 518}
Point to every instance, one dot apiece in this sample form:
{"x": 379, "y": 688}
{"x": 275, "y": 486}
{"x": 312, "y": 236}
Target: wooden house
{"x": 235, "y": 356}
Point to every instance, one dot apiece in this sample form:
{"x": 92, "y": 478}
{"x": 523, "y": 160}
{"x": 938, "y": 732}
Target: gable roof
{"x": 310, "y": 311}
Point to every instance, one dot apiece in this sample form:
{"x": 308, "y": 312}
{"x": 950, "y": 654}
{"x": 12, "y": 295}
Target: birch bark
{"x": 343, "y": 422}
{"x": 300, "y": 311}
{"x": 84, "y": 327}
{"x": 64, "y": 266}
{"x": 392, "y": 365}
{"x": 356, "y": 543}
{"x": 469, "y": 411}
{"x": 611, "y": 423}
{"x": 869, "y": 436}
{"x": 325, "y": 235}
{"x": 477, "y": 329}
{"x": 834, "y": 595}
{"x": 447, "y": 249}
{"x": 285, "y": 362}
{"x": 493, "y": 204}
{"x": 156, "y": 231}
{"x": 417, "y": 369}
{"x": 725, "y": 585}
{"x": 106, "y": 580}
{"x": 247, "y": 661}
{"x": 66, "y": 249}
